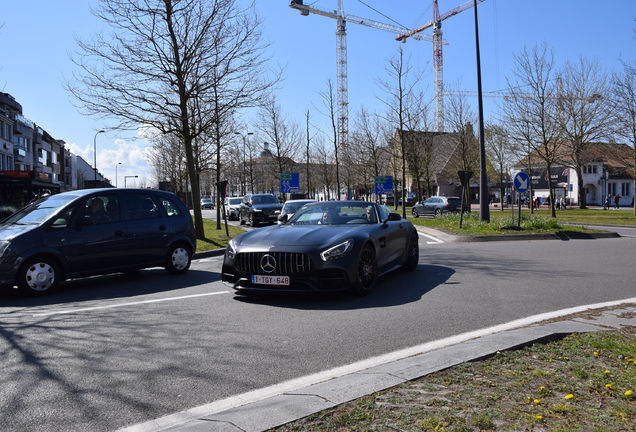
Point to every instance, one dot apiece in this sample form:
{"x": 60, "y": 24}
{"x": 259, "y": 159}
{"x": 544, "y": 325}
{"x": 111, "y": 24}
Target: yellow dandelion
{"x": 629, "y": 393}
{"x": 569, "y": 396}
{"x": 566, "y": 358}
{"x": 542, "y": 387}
{"x": 595, "y": 353}
{"x": 539, "y": 417}
{"x": 536, "y": 401}
{"x": 608, "y": 385}
{"x": 607, "y": 372}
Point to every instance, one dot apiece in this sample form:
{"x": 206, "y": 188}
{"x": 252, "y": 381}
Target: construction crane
{"x": 438, "y": 63}
{"x": 341, "y": 54}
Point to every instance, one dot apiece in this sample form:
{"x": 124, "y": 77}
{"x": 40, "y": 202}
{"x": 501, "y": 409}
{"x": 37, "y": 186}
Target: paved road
{"x": 114, "y": 351}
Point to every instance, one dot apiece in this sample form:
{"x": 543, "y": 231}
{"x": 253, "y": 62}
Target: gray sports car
{"x": 326, "y": 246}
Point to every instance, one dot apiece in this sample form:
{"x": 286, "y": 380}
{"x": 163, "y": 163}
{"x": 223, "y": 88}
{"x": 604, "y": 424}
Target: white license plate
{"x": 270, "y": 280}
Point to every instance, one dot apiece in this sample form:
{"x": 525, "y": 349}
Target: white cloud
{"x": 129, "y": 158}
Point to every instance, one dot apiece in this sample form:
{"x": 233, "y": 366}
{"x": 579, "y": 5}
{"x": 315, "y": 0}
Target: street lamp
{"x": 244, "y": 159}
{"x": 118, "y": 163}
{"x": 126, "y": 177}
{"x": 95, "y": 154}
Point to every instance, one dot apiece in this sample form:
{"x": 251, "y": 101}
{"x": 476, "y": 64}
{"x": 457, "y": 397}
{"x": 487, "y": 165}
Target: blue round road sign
{"x": 521, "y": 182}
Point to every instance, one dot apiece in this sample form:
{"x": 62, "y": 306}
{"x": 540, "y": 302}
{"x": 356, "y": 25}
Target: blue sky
{"x": 37, "y": 36}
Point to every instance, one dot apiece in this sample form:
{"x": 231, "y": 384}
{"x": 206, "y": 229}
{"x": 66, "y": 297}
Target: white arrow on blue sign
{"x": 521, "y": 182}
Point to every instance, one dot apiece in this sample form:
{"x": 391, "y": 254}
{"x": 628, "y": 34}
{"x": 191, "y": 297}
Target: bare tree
{"x": 331, "y": 112}
{"x": 181, "y": 66}
{"x": 532, "y": 114}
{"x": 281, "y": 134}
{"x": 584, "y": 114}
{"x": 501, "y": 153}
{"x": 623, "y": 88}
{"x": 368, "y": 139}
{"x": 166, "y": 157}
{"x": 460, "y": 117}
{"x": 404, "y": 107}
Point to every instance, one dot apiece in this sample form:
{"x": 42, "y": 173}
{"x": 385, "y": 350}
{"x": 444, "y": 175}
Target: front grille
{"x": 286, "y": 263}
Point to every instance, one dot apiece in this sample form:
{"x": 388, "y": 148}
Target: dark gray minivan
{"x": 94, "y": 231}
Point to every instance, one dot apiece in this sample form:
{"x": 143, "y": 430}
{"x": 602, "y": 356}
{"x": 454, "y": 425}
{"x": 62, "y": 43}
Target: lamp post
{"x": 95, "y": 153}
{"x": 244, "y": 159}
{"x": 118, "y": 163}
{"x": 127, "y": 177}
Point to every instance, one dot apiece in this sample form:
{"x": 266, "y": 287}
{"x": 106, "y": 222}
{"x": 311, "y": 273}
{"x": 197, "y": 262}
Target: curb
{"x": 558, "y": 236}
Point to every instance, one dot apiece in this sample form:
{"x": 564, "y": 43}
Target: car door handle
{"x": 119, "y": 233}
{"x": 162, "y": 227}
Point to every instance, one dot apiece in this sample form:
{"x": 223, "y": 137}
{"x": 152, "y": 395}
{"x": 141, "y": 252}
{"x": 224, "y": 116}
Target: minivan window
{"x": 102, "y": 208}
{"x": 141, "y": 206}
{"x": 38, "y": 212}
{"x": 170, "y": 207}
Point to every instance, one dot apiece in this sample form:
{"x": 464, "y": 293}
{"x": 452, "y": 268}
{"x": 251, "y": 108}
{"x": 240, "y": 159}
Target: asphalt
{"x": 274, "y": 406}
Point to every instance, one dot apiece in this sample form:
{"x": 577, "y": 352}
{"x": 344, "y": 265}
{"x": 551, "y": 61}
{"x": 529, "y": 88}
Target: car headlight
{"x": 257, "y": 210}
{"x": 337, "y": 251}
{"x": 230, "y": 250}
{"x": 4, "y": 245}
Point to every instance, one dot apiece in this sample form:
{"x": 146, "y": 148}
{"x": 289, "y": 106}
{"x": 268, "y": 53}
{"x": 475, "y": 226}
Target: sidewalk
{"x": 274, "y": 406}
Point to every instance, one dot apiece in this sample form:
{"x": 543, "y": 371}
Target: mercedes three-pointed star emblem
{"x": 268, "y": 263}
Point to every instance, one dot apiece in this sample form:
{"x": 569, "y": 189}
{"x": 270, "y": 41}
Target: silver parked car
{"x": 232, "y": 207}
{"x": 437, "y": 205}
{"x": 290, "y": 207}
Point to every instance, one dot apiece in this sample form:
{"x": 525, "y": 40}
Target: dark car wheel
{"x": 367, "y": 271}
{"x": 251, "y": 220}
{"x": 438, "y": 212}
{"x": 414, "y": 253}
{"x": 178, "y": 259}
{"x": 415, "y": 213}
{"x": 39, "y": 276}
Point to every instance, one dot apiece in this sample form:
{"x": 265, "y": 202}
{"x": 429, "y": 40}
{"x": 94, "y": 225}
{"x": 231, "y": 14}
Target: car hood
{"x": 10, "y": 231}
{"x": 297, "y": 235}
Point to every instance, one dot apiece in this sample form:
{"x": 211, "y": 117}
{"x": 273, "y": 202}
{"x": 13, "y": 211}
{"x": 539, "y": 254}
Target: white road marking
{"x": 127, "y": 304}
{"x": 435, "y": 239}
{"x": 295, "y": 384}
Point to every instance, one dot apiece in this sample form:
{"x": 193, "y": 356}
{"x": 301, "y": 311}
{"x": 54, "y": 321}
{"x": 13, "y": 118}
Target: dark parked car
{"x": 206, "y": 203}
{"x": 326, "y": 246}
{"x": 437, "y": 205}
{"x": 259, "y": 208}
{"x": 94, "y": 231}
{"x": 409, "y": 201}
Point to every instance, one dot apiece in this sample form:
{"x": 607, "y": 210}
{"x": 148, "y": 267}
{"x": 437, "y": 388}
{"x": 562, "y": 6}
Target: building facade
{"x": 33, "y": 163}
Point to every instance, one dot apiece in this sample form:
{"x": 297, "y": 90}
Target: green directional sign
{"x": 380, "y": 179}
{"x": 285, "y": 176}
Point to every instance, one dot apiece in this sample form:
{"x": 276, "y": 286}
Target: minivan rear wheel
{"x": 39, "y": 276}
{"x": 178, "y": 259}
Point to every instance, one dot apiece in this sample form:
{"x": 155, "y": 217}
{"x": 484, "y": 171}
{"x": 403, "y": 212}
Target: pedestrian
{"x": 617, "y": 198}
{"x": 608, "y": 202}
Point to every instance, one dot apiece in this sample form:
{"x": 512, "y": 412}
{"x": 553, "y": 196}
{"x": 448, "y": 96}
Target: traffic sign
{"x": 289, "y": 182}
{"x": 521, "y": 182}
{"x": 383, "y": 185}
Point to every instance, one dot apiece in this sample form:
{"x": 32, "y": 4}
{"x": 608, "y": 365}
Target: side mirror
{"x": 282, "y": 218}
{"x": 394, "y": 217}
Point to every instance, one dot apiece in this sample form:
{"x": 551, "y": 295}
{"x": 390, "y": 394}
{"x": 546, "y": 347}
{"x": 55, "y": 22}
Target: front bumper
{"x": 321, "y": 276}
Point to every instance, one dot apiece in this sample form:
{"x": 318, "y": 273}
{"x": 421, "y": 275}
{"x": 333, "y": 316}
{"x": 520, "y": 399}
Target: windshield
{"x": 292, "y": 207}
{"x": 336, "y": 213}
{"x": 234, "y": 201}
{"x": 40, "y": 211}
{"x": 264, "y": 199}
